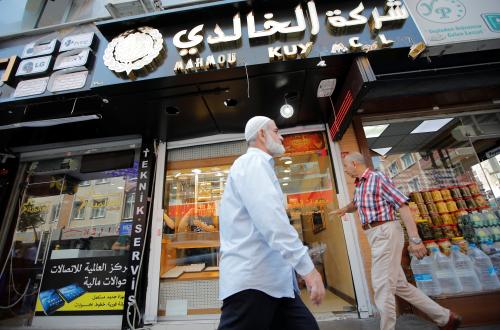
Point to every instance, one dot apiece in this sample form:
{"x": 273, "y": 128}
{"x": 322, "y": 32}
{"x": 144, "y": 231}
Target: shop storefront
{"x": 433, "y": 127}
{"x": 189, "y": 82}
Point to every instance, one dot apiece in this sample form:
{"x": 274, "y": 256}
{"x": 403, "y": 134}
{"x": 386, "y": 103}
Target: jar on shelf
{"x": 427, "y": 196}
{"x": 416, "y": 197}
{"x": 445, "y": 246}
{"x": 464, "y": 190}
{"x": 437, "y": 232}
{"x": 424, "y": 229}
{"x": 422, "y": 209}
{"x": 441, "y": 207}
{"x": 451, "y": 205}
{"x": 455, "y": 230}
{"x": 462, "y": 244}
{"x": 436, "y": 219}
{"x": 455, "y": 192}
{"x": 432, "y": 207}
{"x": 436, "y": 195}
{"x": 474, "y": 189}
{"x": 461, "y": 205}
{"x": 447, "y": 218}
{"x": 445, "y": 192}
{"x": 471, "y": 203}
{"x": 480, "y": 200}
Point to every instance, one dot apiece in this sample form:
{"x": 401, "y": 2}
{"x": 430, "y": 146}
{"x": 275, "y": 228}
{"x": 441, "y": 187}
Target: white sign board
{"x": 445, "y": 22}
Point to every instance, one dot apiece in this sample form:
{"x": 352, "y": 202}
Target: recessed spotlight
{"x": 196, "y": 171}
{"x": 286, "y": 111}
{"x": 230, "y": 103}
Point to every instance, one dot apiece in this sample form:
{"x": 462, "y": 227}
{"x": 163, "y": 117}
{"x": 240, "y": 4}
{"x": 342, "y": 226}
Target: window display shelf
{"x": 191, "y": 240}
{"x": 213, "y": 275}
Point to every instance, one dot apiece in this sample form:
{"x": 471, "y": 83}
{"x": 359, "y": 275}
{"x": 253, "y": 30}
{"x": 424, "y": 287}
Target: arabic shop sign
{"x": 189, "y": 42}
{"x": 443, "y": 22}
{"x": 259, "y": 35}
{"x": 68, "y": 72}
{"x": 81, "y": 286}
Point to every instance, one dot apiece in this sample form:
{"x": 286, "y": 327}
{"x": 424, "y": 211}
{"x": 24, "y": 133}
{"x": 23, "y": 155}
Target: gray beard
{"x": 275, "y": 148}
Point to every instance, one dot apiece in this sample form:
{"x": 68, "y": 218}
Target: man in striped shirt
{"x": 377, "y": 200}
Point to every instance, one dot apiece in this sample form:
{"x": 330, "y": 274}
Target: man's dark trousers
{"x": 253, "y": 309}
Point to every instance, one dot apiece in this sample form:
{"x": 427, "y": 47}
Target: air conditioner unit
{"x": 463, "y": 132}
{"x": 124, "y": 8}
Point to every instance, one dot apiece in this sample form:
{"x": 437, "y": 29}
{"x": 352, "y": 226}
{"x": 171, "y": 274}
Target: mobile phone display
{"x": 50, "y": 301}
{"x": 70, "y": 292}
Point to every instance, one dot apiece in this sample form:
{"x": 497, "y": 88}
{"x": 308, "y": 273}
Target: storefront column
{"x": 351, "y": 236}
{"x": 151, "y": 310}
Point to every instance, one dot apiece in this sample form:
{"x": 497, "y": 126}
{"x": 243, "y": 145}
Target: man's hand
{"x": 418, "y": 250}
{"x": 315, "y": 286}
{"x": 340, "y": 212}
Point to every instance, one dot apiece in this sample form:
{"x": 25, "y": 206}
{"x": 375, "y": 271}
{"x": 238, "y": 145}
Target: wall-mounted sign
{"x": 64, "y": 80}
{"x": 31, "y": 87}
{"x": 135, "y": 52}
{"x": 33, "y": 66}
{"x": 43, "y": 46}
{"x": 445, "y": 22}
{"x": 77, "y": 41}
{"x": 71, "y": 59}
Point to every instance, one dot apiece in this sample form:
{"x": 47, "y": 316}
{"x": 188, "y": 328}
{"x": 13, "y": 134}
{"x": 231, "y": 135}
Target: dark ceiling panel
{"x": 400, "y": 128}
{"x": 390, "y": 141}
{"x": 417, "y": 139}
{"x": 193, "y": 120}
{"x": 266, "y": 98}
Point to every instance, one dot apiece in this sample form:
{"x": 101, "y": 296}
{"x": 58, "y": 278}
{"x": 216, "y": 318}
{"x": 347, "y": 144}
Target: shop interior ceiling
{"x": 484, "y": 131}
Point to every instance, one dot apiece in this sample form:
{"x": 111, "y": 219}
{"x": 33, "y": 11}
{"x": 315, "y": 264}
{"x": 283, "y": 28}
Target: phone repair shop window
{"x": 94, "y": 211}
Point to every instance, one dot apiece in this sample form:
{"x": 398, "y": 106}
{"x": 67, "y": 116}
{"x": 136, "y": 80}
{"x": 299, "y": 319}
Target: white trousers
{"x": 388, "y": 278}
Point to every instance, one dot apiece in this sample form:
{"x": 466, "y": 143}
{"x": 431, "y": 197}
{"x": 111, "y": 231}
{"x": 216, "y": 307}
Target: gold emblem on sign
{"x": 135, "y": 52}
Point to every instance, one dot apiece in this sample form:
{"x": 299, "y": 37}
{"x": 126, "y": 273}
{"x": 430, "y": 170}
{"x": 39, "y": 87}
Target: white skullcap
{"x": 254, "y": 125}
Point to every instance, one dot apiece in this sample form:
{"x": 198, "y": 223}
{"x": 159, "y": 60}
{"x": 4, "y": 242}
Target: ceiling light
{"x": 230, "y": 103}
{"x": 51, "y": 122}
{"x": 285, "y": 183}
{"x": 219, "y": 174}
{"x": 374, "y": 131}
{"x": 174, "y": 187}
{"x": 196, "y": 171}
{"x": 286, "y": 178}
{"x": 177, "y": 174}
{"x": 287, "y": 170}
{"x": 288, "y": 162}
{"x": 382, "y": 151}
{"x": 120, "y": 188}
{"x": 433, "y": 125}
{"x": 286, "y": 111}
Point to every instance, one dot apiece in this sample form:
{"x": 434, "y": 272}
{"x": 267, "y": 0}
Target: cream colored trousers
{"x": 388, "y": 278}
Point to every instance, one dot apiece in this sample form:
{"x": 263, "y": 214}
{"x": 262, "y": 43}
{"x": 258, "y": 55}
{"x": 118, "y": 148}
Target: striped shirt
{"x": 376, "y": 197}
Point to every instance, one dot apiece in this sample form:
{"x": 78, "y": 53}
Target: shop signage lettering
{"x": 44, "y": 46}
{"x": 446, "y": 22}
{"x": 84, "y": 40}
{"x": 72, "y": 59}
{"x": 33, "y": 66}
{"x": 188, "y": 42}
{"x": 210, "y": 62}
{"x": 78, "y": 286}
{"x": 137, "y": 236}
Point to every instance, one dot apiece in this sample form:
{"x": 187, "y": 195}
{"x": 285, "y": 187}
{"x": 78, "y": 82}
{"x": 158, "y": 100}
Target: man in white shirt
{"x": 260, "y": 250}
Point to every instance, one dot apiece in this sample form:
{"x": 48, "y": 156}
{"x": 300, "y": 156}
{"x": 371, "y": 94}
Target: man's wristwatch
{"x": 415, "y": 240}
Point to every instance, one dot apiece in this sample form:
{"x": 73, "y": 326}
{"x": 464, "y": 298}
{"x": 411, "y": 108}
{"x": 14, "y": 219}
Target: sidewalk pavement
{"x": 404, "y": 322}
